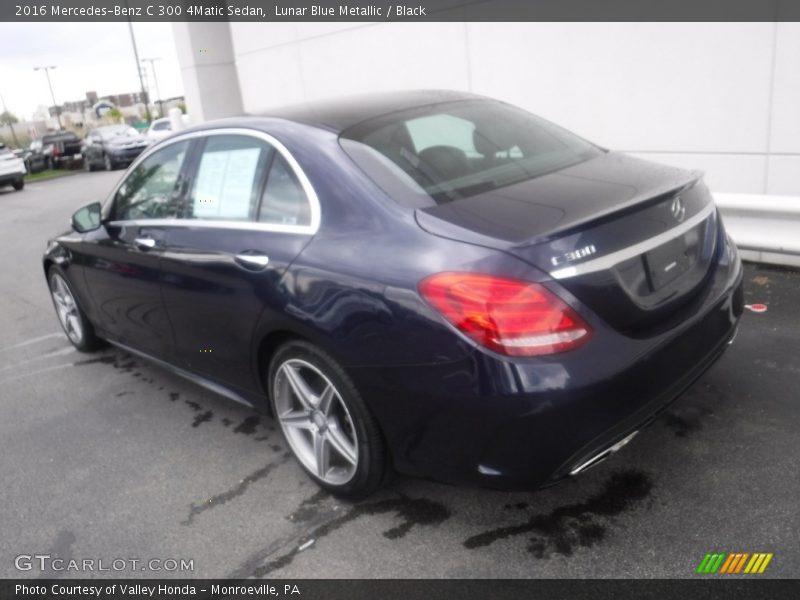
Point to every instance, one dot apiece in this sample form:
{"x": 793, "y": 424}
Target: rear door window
{"x": 228, "y": 181}
{"x": 284, "y": 201}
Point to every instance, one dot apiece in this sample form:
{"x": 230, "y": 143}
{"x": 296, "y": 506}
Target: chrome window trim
{"x": 608, "y": 261}
{"x": 308, "y": 189}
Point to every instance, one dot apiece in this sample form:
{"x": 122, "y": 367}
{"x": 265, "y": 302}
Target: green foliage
{"x": 8, "y": 118}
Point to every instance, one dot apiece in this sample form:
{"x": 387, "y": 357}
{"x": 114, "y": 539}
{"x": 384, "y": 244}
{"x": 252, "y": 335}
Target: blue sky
{"x": 88, "y": 56}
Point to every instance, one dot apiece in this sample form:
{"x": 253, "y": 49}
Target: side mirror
{"x": 87, "y": 218}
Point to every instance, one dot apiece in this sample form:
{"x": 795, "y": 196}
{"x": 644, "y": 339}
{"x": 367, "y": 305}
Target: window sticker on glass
{"x": 224, "y": 185}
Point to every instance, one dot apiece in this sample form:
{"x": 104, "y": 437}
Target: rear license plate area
{"x": 669, "y": 261}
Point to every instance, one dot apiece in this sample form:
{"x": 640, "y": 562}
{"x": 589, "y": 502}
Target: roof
{"x": 338, "y": 114}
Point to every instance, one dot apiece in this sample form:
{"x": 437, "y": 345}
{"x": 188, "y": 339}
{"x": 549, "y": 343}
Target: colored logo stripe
{"x": 710, "y": 563}
{"x": 734, "y": 562}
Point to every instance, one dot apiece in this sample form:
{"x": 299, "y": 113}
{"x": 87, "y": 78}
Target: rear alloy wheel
{"x": 73, "y": 320}
{"x": 325, "y": 421}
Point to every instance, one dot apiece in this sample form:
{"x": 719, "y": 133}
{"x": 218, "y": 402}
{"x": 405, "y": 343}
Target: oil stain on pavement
{"x": 412, "y": 512}
{"x": 237, "y": 490}
{"x": 582, "y": 524}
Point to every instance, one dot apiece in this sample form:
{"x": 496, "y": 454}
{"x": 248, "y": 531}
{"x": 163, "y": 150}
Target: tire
{"x": 70, "y": 314}
{"x": 108, "y": 163}
{"x": 340, "y": 420}
{"x": 19, "y": 184}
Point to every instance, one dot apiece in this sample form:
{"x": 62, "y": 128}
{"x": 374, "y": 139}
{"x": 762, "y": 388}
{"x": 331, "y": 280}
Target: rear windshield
{"x": 59, "y": 137}
{"x": 454, "y": 150}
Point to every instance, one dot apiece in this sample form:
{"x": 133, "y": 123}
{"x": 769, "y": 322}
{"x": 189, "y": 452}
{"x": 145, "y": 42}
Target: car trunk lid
{"x": 631, "y": 239}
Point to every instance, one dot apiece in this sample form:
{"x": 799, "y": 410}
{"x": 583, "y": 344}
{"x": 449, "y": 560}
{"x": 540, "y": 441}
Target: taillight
{"x": 510, "y": 316}
{"x": 56, "y": 150}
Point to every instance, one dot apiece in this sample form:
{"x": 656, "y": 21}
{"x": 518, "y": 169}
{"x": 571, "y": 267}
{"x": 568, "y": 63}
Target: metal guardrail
{"x": 765, "y": 228}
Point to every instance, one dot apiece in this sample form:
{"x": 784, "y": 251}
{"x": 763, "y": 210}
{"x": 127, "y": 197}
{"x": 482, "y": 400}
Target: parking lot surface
{"x": 105, "y": 456}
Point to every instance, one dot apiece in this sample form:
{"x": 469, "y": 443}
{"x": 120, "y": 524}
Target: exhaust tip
{"x": 602, "y": 455}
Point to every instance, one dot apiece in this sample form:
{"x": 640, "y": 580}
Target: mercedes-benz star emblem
{"x": 677, "y": 209}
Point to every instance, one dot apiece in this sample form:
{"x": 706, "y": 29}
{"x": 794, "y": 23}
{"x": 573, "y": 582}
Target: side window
{"x": 228, "y": 180}
{"x": 148, "y": 192}
{"x": 284, "y": 201}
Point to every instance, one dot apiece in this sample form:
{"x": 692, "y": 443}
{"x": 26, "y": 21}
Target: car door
{"x": 121, "y": 259}
{"x": 248, "y": 213}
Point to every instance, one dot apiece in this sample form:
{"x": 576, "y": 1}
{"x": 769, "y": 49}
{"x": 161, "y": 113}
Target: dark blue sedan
{"x": 429, "y": 282}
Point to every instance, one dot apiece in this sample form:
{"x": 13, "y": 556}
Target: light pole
{"x": 155, "y": 81}
{"x": 52, "y": 95}
{"x": 139, "y": 71}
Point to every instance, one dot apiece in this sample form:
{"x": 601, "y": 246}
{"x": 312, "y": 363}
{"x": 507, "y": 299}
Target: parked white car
{"x": 12, "y": 169}
{"x": 161, "y": 128}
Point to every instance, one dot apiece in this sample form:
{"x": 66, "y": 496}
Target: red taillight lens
{"x": 510, "y": 316}
{"x": 56, "y": 151}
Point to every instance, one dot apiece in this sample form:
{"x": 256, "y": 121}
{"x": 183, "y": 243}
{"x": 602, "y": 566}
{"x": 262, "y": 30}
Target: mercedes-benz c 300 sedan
{"x": 429, "y": 282}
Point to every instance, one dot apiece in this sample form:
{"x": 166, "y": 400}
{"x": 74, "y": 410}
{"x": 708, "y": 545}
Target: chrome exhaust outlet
{"x": 602, "y": 455}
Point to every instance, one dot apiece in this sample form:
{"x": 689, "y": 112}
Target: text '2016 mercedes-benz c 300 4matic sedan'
{"x": 429, "y": 282}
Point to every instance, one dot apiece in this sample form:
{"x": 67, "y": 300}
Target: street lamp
{"x": 139, "y": 70}
{"x": 155, "y": 80}
{"x": 52, "y": 95}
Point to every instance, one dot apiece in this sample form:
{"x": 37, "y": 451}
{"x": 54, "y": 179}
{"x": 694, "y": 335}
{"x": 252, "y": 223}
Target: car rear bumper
{"x": 11, "y": 173}
{"x": 9, "y": 178}
{"x": 519, "y": 424}
{"x": 69, "y": 159}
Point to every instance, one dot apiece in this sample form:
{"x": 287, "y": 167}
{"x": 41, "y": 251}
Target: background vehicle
{"x": 112, "y": 146}
{"x": 12, "y": 169}
{"x": 61, "y": 149}
{"x": 430, "y": 281}
{"x": 159, "y": 129}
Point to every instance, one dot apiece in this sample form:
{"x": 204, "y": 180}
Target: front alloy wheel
{"x": 325, "y": 422}
{"x": 74, "y": 322}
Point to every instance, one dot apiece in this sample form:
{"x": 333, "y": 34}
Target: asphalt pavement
{"x": 106, "y": 457}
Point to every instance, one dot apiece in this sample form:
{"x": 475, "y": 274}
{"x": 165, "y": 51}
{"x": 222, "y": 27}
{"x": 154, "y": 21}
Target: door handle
{"x": 253, "y": 262}
{"x": 144, "y": 243}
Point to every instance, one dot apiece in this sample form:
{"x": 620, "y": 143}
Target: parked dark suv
{"x": 113, "y": 146}
{"x": 54, "y": 150}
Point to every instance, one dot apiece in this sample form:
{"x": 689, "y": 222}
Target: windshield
{"x": 117, "y": 131}
{"x": 459, "y": 149}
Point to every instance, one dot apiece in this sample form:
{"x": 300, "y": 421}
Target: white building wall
{"x": 722, "y": 97}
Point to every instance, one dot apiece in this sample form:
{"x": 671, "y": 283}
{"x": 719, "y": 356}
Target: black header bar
{"x": 417, "y": 11}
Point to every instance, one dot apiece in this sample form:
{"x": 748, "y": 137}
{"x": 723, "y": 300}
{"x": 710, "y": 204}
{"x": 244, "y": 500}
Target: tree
{"x": 114, "y": 114}
{"x": 7, "y": 118}
{"x": 182, "y": 106}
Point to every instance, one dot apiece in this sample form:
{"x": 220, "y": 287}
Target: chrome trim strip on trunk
{"x": 602, "y": 263}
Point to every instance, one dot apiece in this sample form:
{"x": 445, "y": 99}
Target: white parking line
{"x": 32, "y": 341}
